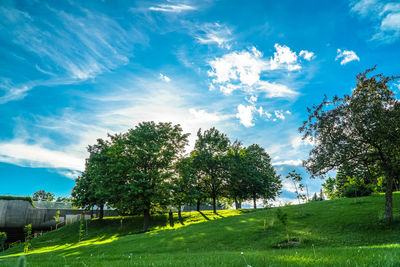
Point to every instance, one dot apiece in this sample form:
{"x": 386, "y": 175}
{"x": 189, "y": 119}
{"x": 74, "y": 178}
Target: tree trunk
{"x": 146, "y": 219}
{"x": 255, "y": 202}
{"x": 91, "y": 212}
{"x": 388, "y": 198}
{"x": 236, "y": 203}
{"x": 180, "y": 214}
{"x": 214, "y": 204}
{"x": 198, "y": 205}
{"x": 240, "y": 204}
{"x": 171, "y": 218}
{"x": 101, "y": 215}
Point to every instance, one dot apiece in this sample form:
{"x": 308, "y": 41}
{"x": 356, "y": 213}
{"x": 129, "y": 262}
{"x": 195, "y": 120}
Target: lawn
{"x": 342, "y": 232}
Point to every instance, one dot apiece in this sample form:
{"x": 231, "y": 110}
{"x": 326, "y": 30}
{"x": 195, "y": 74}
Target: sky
{"x": 73, "y": 71}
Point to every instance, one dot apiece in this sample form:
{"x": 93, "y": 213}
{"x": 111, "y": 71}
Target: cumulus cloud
{"x": 307, "y": 55}
{"x": 241, "y": 70}
{"x": 245, "y": 115}
{"x": 284, "y": 58}
{"x": 346, "y": 56}
{"x": 171, "y": 8}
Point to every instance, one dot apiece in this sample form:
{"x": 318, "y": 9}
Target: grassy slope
{"x": 346, "y": 232}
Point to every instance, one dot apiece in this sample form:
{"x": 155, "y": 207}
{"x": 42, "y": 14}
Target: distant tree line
{"x": 146, "y": 170}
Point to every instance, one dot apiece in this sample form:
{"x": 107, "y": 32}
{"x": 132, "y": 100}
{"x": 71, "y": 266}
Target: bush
{"x": 356, "y": 187}
{"x": 357, "y": 191}
{"x": 3, "y": 238}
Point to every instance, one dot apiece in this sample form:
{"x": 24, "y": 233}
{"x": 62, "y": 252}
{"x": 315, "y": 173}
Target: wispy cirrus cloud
{"x": 346, "y": 56}
{"x": 120, "y": 110}
{"x": 214, "y": 33}
{"x": 174, "y": 8}
{"x": 384, "y": 15}
{"x": 85, "y": 45}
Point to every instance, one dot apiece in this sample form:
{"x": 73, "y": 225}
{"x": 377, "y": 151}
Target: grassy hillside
{"x": 345, "y": 232}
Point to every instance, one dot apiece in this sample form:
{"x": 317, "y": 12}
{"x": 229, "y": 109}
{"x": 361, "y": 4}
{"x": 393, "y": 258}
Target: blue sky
{"x": 73, "y": 71}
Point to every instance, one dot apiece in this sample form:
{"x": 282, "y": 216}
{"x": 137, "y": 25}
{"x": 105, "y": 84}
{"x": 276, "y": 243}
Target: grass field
{"x": 342, "y": 232}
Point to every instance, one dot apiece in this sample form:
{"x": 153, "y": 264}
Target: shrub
{"x": 3, "y": 238}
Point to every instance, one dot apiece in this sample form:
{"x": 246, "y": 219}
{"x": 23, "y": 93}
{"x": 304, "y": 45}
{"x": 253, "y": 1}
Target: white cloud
{"x": 307, "y": 55}
{"x": 245, "y": 115}
{"x": 214, "y": 33}
{"x": 385, "y": 16}
{"x": 269, "y": 115}
{"x": 243, "y": 66}
{"x": 291, "y": 162}
{"x": 364, "y": 7}
{"x": 346, "y": 56}
{"x": 297, "y": 141}
{"x": 23, "y": 154}
{"x": 165, "y": 78}
{"x": 171, "y": 8}
{"x": 284, "y": 58}
{"x": 242, "y": 71}
{"x": 279, "y": 114}
{"x": 84, "y": 46}
{"x": 203, "y": 115}
{"x": 275, "y": 90}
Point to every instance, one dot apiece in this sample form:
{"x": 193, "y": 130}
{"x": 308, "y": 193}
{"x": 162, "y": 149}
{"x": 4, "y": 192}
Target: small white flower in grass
{"x": 241, "y": 253}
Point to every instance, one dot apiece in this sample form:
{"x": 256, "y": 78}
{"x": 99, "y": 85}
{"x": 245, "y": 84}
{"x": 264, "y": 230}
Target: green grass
{"x": 343, "y": 232}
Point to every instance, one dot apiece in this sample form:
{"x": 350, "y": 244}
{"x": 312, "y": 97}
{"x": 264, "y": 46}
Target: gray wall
{"x": 18, "y": 213}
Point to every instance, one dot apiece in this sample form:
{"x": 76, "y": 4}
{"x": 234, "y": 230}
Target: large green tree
{"x": 262, "y": 180}
{"x": 183, "y": 184}
{"x": 210, "y": 149}
{"x": 358, "y": 129}
{"x": 150, "y": 151}
{"x": 237, "y": 173}
{"x": 93, "y": 187}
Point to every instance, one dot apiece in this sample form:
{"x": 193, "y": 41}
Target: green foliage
{"x": 358, "y": 132}
{"x": 42, "y": 195}
{"x": 261, "y": 179}
{"x": 29, "y": 199}
{"x": 296, "y": 178}
{"x": 346, "y": 186}
{"x": 57, "y": 216}
{"x": 210, "y": 149}
{"x": 81, "y": 231}
{"x": 3, "y": 238}
{"x": 282, "y": 216}
{"x": 28, "y": 237}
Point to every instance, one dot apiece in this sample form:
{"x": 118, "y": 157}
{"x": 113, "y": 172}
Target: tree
{"x": 236, "y": 174}
{"x": 261, "y": 179}
{"x": 42, "y": 195}
{"x": 210, "y": 149}
{"x": 93, "y": 186}
{"x": 150, "y": 151}
{"x": 183, "y": 184}
{"x": 361, "y": 129}
{"x": 296, "y": 179}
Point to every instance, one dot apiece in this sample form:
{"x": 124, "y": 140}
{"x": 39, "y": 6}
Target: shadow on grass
{"x": 205, "y": 217}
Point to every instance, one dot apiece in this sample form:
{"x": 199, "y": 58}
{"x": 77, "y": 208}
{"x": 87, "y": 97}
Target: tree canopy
{"x": 145, "y": 170}
{"x": 357, "y": 131}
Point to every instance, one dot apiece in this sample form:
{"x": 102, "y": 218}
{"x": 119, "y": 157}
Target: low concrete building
{"x": 16, "y": 213}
